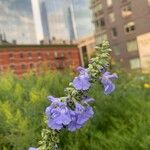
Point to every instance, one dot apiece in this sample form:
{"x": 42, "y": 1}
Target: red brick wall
{"x": 21, "y": 59}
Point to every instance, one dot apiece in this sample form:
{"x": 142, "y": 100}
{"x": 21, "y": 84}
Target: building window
{"x": 132, "y": 46}
{"x": 101, "y": 38}
{"x": 116, "y": 49}
{"x": 85, "y": 56}
{"x": 30, "y": 55}
{"x": 135, "y": 63}
{"x": 114, "y": 32}
{"x": 48, "y": 54}
{"x": 11, "y": 56}
{"x": 12, "y": 67}
{"x": 96, "y": 23}
{"x": 23, "y": 66}
{"x": 98, "y": 7}
{"x": 39, "y": 56}
{"x": 21, "y": 55}
{"x": 95, "y": 14}
{"x": 102, "y": 22}
{"x": 62, "y": 55}
{"x": 56, "y": 54}
{"x": 112, "y": 17}
{"x": 109, "y": 3}
{"x": 31, "y": 66}
{"x": 129, "y": 27}
{"x": 127, "y": 10}
{"x": 60, "y": 65}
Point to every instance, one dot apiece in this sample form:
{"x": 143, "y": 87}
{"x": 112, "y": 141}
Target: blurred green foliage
{"x": 121, "y": 120}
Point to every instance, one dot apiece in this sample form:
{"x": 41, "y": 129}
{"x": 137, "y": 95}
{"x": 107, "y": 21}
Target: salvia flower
{"x": 32, "y": 148}
{"x": 58, "y": 114}
{"x": 106, "y": 80}
{"x": 82, "y": 82}
{"x": 79, "y": 117}
{"x": 86, "y": 100}
{"x": 73, "y": 111}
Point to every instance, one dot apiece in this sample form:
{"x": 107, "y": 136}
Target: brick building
{"x": 22, "y": 58}
{"x": 124, "y": 23}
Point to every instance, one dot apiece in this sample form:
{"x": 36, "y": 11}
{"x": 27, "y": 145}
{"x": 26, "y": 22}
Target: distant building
{"x": 40, "y": 21}
{"x": 124, "y": 23}
{"x": 69, "y": 20}
{"x": 83, "y": 18}
{"x": 86, "y": 46}
{"x": 44, "y": 18}
{"x": 22, "y": 58}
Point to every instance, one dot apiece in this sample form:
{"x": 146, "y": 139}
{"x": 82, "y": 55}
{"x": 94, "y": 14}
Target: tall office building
{"x": 71, "y": 24}
{"x": 56, "y": 12}
{"x": 40, "y": 20}
{"x": 44, "y": 19}
{"x": 16, "y": 21}
{"x": 37, "y": 20}
{"x": 126, "y": 25}
{"x": 83, "y": 18}
{"x": 69, "y": 19}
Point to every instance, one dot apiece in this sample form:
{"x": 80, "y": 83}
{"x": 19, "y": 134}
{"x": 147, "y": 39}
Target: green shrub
{"x": 121, "y": 120}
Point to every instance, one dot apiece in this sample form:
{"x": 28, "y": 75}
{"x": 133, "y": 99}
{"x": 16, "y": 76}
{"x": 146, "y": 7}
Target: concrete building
{"x": 22, "y": 58}
{"x": 86, "y": 46}
{"x": 124, "y": 23}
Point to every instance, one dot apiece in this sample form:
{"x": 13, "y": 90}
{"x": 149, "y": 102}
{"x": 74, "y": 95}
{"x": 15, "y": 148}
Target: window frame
{"x": 137, "y": 63}
{"x": 129, "y": 47}
{"x": 129, "y": 26}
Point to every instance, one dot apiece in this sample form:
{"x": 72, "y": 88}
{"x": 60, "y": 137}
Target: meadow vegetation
{"x": 121, "y": 120}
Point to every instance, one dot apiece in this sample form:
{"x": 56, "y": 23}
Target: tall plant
{"x": 72, "y": 111}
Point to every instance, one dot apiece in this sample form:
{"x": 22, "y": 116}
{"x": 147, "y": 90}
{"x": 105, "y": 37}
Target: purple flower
{"x": 87, "y": 100}
{"x": 73, "y": 125}
{"x": 106, "y": 80}
{"x": 82, "y": 82}
{"x": 58, "y": 114}
{"x": 32, "y": 148}
{"x": 79, "y": 117}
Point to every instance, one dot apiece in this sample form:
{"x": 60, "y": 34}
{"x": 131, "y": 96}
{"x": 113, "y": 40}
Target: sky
{"x": 18, "y": 22}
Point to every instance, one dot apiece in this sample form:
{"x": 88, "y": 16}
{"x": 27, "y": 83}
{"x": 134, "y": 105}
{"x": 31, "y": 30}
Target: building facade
{"x": 83, "y": 18}
{"x": 57, "y": 19}
{"x": 38, "y": 16}
{"x": 86, "y": 46}
{"x": 44, "y": 19}
{"x": 122, "y": 23}
{"x": 16, "y": 21}
{"x": 23, "y": 58}
{"x": 69, "y": 19}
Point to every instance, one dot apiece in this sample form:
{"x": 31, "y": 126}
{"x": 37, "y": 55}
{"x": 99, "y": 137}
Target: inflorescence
{"x": 73, "y": 111}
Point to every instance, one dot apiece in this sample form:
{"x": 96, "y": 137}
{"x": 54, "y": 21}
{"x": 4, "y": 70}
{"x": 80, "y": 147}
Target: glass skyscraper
{"x": 16, "y": 21}
{"x": 69, "y": 19}
{"x": 83, "y": 18}
{"x": 44, "y": 20}
{"x": 56, "y": 10}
